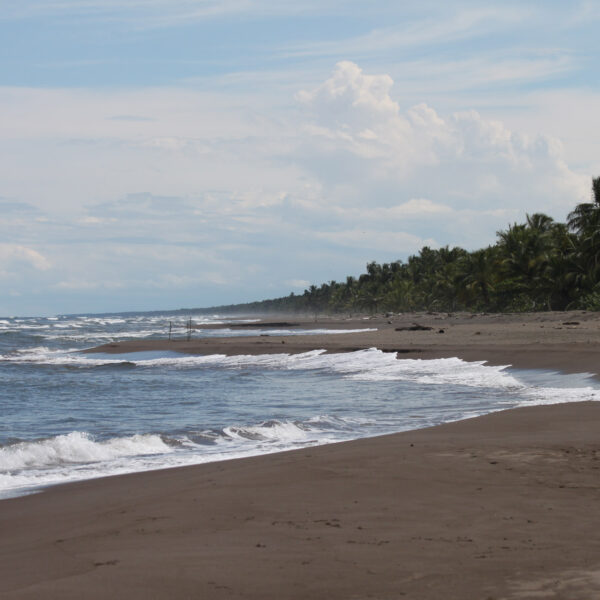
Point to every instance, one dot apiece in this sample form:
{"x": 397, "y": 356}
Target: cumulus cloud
{"x": 203, "y": 193}
{"x": 360, "y": 138}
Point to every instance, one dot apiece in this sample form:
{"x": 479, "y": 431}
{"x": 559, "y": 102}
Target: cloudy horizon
{"x": 194, "y": 153}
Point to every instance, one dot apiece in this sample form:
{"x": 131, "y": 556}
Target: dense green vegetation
{"x": 537, "y": 265}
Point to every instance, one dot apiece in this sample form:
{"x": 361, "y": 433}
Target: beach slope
{"x": 497, "y": 507}
{"x": 565, "y": 341}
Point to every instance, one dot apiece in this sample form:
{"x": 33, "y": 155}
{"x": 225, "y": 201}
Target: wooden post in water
{"x": 170, "y": 329}
{"x": 189, "y": 328}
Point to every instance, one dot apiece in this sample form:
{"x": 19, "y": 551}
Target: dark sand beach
{"x": 502, "y": 506}
{"x": 565, "y": 341}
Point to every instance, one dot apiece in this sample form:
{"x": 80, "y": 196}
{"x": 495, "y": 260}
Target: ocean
{"x": 67, "y": 416}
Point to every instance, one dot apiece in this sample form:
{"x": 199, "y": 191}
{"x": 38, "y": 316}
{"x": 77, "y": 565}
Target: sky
{"x": 158, "y": 154}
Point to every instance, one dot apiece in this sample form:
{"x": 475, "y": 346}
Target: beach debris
{"x": 441, "y": 331}
{"x": 571, "y": 323}
{"x": 415, "y": 327}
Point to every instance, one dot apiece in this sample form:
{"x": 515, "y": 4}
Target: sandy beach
{"x": 563, "y": 341}
{"x": 502, "y": 506}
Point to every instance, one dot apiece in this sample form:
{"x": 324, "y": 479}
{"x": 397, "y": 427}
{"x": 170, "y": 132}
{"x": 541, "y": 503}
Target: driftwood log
{"x": 414, "y": 327}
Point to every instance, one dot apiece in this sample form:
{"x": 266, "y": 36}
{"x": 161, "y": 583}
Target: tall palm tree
{"x": 585, "y": 222}
{"x": 586, "y": 216}
{"x": 525, "y": 251}
{"x": 477, "y": 275}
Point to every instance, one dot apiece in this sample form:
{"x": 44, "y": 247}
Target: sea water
{"x": 67, "y": 416}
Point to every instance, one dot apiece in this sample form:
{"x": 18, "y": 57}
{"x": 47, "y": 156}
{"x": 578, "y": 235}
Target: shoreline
{"x": 568, "y": 341}
{"x": 498, "y": 506}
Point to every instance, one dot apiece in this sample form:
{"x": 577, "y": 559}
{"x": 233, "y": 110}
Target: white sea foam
{"x": 103, "y": 337}
{"x": 76, "y": 456}
{"x": 101, "y": 320}
{"x": 76, "y": 447}
{"x": 364, "y": 365}
{"x": 284, "y": 432}
{"x": 80, "y": 447}
{"x": 550, "y": 395}
{"x": 441, "y": 392}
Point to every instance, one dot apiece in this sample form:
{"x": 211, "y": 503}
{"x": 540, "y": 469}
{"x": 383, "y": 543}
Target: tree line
{"x": 540, "y": 264}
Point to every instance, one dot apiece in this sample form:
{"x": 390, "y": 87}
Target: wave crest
{"x": 76, "y": 447}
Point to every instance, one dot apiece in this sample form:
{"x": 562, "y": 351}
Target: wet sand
{"x": 566, "y": 341}
{"x": 497, "y": 507}
{"x": 503, "y": 506}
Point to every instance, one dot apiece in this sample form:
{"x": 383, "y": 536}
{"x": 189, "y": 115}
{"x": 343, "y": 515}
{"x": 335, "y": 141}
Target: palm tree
{"x": 586, "y": 216}
{"x": 525, "y": 251}
{"x": 477, "y": 275}
{"x": 585, "y": 222}
{"x": 540, "y": 222}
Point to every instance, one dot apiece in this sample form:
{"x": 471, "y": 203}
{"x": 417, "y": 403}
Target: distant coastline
{"x": 565, "y": 341}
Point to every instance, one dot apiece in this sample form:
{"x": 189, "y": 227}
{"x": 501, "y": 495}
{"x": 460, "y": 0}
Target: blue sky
{"x": 168, "y": 153}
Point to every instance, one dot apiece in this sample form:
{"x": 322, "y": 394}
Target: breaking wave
{"x": 365, "y": 365}
{"x": 78, "y": 455}
{"x": 76, "y": 447}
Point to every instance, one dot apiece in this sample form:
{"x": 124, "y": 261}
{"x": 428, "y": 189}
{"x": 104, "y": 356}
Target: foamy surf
{"x": 97, "y": 330}
{"x": 77, "y": 455}
{"x": 363, "y": 365}
{"x": 69, "y": 416}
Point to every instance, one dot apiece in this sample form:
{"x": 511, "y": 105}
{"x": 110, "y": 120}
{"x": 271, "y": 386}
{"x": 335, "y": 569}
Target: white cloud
{"x": 96, "y": 221}
{"x": 448, "y": 25}
{"x": 387, "y": 241}
{"x": 586, "y": 12}
{"x": 419, "y": 207}
{"x": 191, "y": 144}
{"x": 297, "y": 283}
{"x": 158, "y": 13}
{"x": 195, "y": 191}
{"x": 78, "y": 285}
{"x": 14, "y": 255}
{"x": 462, "y": 158}
{"x": 569, "y": 115}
